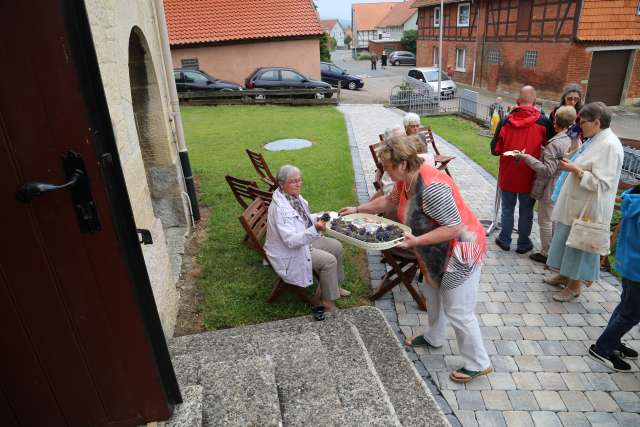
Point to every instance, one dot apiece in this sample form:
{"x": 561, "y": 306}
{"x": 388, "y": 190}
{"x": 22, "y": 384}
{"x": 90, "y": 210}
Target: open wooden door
{"x": 80, "y": 338}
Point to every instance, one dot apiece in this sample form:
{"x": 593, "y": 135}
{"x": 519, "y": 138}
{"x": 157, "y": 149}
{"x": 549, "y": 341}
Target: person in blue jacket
{"x": 609, "y": 350}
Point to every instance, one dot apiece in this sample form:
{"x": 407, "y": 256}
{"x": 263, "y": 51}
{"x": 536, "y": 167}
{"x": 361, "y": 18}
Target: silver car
{"x": 430, "y": 75}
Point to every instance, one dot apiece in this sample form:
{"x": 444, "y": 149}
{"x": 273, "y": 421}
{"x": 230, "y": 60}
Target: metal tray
{"x": 377, "y": 246}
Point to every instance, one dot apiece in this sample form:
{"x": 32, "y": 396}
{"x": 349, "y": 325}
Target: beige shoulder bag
{"x": 587, "y": 235}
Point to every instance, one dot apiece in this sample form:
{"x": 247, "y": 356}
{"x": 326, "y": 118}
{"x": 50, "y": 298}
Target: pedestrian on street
{"x": 526, "y": 130}
{"x": 383, "y": 59}
{"x": 609, "y": 349}
{"x": 374, "y": 60}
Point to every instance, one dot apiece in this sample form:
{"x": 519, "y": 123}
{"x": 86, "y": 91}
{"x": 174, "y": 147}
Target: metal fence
{"x": 631, "y": 166}
{"x": 418, "y": 97}
{"x": 261, "y": 96}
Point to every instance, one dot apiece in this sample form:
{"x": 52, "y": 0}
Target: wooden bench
{"x": 254, "y": 222}
{"x": 240, "y": 189}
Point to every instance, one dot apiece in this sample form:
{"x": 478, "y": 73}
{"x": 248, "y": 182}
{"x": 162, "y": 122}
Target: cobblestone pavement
{"x": 543, "y": 376}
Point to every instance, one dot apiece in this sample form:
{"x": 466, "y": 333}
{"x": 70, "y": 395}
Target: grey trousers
{"x": 545, "y": 225}
{"x": 326, "y": 260}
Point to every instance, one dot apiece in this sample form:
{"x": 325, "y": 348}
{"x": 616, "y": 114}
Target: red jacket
{"x": 524, "y": 129}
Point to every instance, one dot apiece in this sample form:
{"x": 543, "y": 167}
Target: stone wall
{"x": 140, "y": 117}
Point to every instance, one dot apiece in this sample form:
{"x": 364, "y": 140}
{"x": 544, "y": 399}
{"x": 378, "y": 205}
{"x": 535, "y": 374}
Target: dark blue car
{"x": 333, "y": 74}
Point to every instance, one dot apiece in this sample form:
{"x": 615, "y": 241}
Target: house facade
{"x": 229, "y": 42}
{"x": 364, "y": 19}
{"x": 128, "y": 46}
{"x": 501, "y": 45}
{"x": 389, "y": 31}
{"x": 335, "y": 30}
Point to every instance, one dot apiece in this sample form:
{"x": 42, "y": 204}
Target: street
{"x": 378, "y": 84}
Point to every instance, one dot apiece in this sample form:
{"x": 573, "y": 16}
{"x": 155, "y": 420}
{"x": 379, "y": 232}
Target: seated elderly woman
{"x": 294, "y": 245}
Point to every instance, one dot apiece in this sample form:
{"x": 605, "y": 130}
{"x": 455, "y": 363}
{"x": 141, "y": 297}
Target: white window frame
{"x": 464, "y": 59}
{"x": 468, "y": 6}
{"x": 436, "y": 17}
{"x": 435, "y": 56}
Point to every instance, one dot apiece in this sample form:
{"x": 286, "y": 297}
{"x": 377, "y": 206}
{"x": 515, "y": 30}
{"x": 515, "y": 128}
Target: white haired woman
{"x": 294, "y": 245}
{"x": 411, "y": 122}
{"x": 591, "y": 177}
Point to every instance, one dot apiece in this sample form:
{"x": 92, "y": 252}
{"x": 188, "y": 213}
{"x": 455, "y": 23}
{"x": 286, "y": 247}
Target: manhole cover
{"x": 288, "y": 144}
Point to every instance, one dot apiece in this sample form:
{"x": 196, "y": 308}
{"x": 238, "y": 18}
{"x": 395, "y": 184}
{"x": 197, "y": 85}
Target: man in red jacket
{"x": 525, "y": 129}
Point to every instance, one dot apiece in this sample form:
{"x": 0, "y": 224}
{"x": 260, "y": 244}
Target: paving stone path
{"x": 543, "y": 376}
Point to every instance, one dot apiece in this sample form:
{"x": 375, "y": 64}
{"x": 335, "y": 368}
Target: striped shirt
{"x": 439, "y": 204}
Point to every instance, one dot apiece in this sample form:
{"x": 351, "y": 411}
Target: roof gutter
{"x": 175, "y": 111}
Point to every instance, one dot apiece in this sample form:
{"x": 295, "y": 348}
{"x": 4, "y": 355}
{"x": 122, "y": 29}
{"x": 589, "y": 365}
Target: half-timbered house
{"x": 501, "y": 45}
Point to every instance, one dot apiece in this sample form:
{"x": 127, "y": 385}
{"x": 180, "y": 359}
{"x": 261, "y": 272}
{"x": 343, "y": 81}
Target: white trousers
{"x": 458, "y": 305}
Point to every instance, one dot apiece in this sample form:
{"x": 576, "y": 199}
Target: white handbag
{"x": 589, "y": 236}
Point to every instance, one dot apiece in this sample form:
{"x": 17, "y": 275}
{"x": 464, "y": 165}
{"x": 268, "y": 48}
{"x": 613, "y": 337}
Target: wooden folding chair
{"x": 254, "y": 222}
{"x": 377, "y": 184}
{"x": 404, "y": 267}
{"x": 257, "y": 159}
{"x": 266, "y": 196}
{"x": 240, "y": 189}
{"x": 441, "y": 161}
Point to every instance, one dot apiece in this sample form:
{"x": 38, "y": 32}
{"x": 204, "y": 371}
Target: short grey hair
{"x": 411, "y": 119}
{"x": 597, "y": 110}
{"x": 397, "y": 130}
{"x": 285, "y": 172}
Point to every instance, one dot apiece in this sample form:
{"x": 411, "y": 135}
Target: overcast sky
{"x": 340, "y": 9}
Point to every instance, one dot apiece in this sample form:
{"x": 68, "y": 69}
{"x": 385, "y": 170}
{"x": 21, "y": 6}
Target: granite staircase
{"x": 349, "y": 370}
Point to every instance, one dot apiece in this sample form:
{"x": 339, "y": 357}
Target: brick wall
{"x": 424, "y": 57}
{"x": 633, "y": 92}
{"x": 378, "y": 47}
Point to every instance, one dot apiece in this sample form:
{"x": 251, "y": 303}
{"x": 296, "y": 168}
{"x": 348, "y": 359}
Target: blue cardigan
{"x": 628, "y": 247}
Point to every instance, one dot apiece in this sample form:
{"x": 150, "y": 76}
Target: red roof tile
{"x": 610, "y": 20}
{"x": 328, "y": 24}
{"x": 209, "y": 21}
{"x": 367, "y": 15}
{"x": 398, "y": 15}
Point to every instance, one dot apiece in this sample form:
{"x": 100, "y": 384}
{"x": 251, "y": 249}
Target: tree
{"x": 408, "y": 40}
{"x": 334, "y": 43}
{"x": 347, "y": 41}
{"x": 325, "y": 54}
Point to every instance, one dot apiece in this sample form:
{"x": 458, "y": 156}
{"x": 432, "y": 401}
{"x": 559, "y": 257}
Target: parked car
{"x": 282, "y": 78}
{"x": 429, "y": 75}
{"x": 333, "y": 74}
{"x": 402, "y": 57}
{"x": 191, "y": 80}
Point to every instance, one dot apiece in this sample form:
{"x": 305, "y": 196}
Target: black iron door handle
{"x": 30, "y": 190}
{"x": 77, "y": 183}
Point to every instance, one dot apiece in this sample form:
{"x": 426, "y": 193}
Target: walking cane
{"x": 494, "y": 224}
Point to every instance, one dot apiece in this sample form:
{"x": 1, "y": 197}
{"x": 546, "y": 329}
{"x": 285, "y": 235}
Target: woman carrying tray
{"x": 449, "y": 242}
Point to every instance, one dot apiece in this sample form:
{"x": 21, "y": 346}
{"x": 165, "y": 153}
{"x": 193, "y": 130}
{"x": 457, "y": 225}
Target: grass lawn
{"x": 234, "y": 282}
{"x": 464, "y": 135}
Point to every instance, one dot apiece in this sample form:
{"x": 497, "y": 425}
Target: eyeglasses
{"x": 294, "y": 181}
{"x": 572, "y": 98}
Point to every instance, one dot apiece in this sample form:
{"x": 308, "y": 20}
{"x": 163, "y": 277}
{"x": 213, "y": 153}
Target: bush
{"x": 364, "y": 56}
{"x": 325, "y": 54}
{"x": 408, "y": 40}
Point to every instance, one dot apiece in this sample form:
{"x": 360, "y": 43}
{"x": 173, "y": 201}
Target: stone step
{"x": 306, "y": 391}
{"x": 411, "y": 400}
{"x": 363, "y": 397}
{"x": 189, "y": 412}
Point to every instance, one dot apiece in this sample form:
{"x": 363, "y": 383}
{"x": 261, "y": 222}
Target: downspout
{"x": 175, "y": 112}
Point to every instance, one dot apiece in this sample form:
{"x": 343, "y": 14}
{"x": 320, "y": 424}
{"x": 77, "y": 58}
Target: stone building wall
{"x": 128, "y": 47}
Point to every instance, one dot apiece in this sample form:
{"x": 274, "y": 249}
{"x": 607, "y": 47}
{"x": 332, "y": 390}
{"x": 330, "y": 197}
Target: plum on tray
{"x": 371, "y": 233}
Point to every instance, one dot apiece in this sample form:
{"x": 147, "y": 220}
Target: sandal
{"x": 318, "y": 313}
{"x": 419, "y": 341}
{"x": 463, "y": 375}
{"x": 556, "y": 281}
{"x": 566, "y": 297}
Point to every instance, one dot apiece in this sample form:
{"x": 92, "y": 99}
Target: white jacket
{"x": 288, "y": 242}
{"x": 602, "y": 164}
